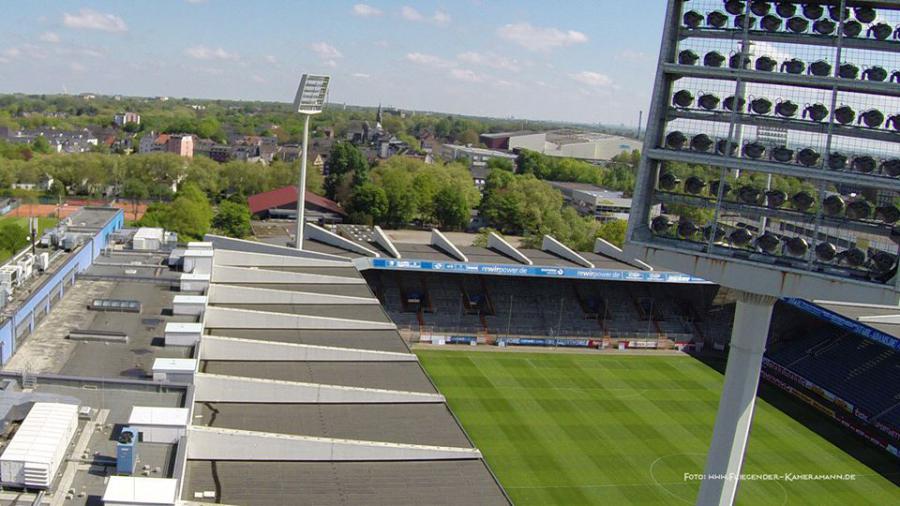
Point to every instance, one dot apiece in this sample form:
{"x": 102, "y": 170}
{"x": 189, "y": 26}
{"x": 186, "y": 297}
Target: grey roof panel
{"x": 378, "y": 340}
{"x": 354, "y": 290}
{"x": 406, "y": 376}
{"x": 367, "y": 312}
{"x": 421, "y": 424}
{"x": 434, "y": 483}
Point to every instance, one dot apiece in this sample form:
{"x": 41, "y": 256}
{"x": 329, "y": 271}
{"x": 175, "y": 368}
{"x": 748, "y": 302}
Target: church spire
{"x": 378, "y": 115}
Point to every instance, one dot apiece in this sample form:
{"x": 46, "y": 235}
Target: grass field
{"x": 622, "y": 430}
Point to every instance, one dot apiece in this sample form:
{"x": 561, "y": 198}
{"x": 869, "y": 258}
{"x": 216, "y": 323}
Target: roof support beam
{"x": 385, "y": 242}
{"x": 229, "y": 318}
{"x": 440, "y": 241}
{"x": 212, "y": 443}
{"x": 231, "y": 348}
{"x": 559, "y": 249}
{"x": 605, "y": 248}
{"x": 224, "y": 388}
{"x": 229, "y": 243}
{"x": 317, "y": 233}
{"x": 498, "y": 243}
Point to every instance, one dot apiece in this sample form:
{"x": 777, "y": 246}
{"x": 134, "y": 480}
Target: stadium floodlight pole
{"x": 310, "y": 99}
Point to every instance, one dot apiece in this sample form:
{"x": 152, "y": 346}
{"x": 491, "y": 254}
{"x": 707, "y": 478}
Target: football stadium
{"x": 746, "y": 354}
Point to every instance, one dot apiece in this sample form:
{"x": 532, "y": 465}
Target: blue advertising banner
{"x": 845, "y": 323}
{"x": 534, "y": 271}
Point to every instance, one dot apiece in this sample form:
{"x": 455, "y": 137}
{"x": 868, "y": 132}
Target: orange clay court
{"x": 131, "y": 212}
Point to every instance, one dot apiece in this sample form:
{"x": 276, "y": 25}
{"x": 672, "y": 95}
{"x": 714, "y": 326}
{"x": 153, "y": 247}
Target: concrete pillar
{"x": 726, "y": 453}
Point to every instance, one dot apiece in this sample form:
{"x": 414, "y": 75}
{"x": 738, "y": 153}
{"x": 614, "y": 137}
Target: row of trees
{"x": 405, "y": 190}
{"x": 618, "y": 175}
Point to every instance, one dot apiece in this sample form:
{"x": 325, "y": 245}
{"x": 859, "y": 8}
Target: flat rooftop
{"x": 49, "y": 348}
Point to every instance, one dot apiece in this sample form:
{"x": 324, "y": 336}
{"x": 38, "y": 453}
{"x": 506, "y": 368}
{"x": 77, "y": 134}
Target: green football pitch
{"x": 604, "y": 429}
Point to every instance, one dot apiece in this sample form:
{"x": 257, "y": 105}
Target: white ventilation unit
{"x": 34, "y": 454}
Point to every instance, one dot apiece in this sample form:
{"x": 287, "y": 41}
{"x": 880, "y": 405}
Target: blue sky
{"x": 577, "y": 60}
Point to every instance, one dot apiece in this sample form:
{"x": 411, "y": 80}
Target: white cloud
{"x": 77, "y": 67}
{"x": 535, "y": 38}
{"x": 440, "y": 17}
{"x": 49, "y": 37}
{"x": 257, "y": 79}
{"x": 270, "y": 59}
{"x": 325, "y": 50}
{"x": 410, "y": 14}
{"x": 330, "y": 63}
{"x": 209, "y": 53}
{"x": 89, "y": 19}
{"x": 491, "y": 60}
{"x": 360, "y": 75}
{"x": 429, "y": 60}
{"x": 12, "y": 52}
{"x": 594, "y": 79}
{"x": 366, "y": 11}
{"x": 631, "y": 55}
{"x": 466, "y": 75}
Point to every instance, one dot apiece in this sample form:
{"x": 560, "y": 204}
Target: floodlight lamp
{"x": 825, "y": 251}
{"x": 881, "y": 261}
{"x": 813, "y": 11}
{"x": 873, "y": 118}
{"x": 786, "y": 109}
{"x": 859, "y": 210}
{"x": 686, "y": 228}
{"x": 819, "y": 68}
{"x": 760, "y": 7}
{"x": 786, "y": 9}
{"x": 719, "y": 232}
{"x": 692, "y": 19}
{"x": 765, "y": 64}
{"x": 802, "y": 201}
{"x": 734, "y": 7}
{"x": 311, "y": 94}
{"x": 782, "y": 154}
{"x": 833, "y": 205}
{"x": 687, "y": 57}
{"x": 852, "y": 28}
{"x": 767, "y": 242}
{"x": 865, "y": 14}
{"x": 796, "y": 246}
{"x": 754, "y": 150}
{"x": 775, "y": 198}
{"x": 824, "y": 26}
{"x": 740, "y": 237}
{"x": 837, "y": 161}
{"x": 660, "y": 225}
{"x": 864, "y": 164}
{"x": 675, "y": 140}
{"x": 716, "y": 19}
{"x": 887, "y": 214}
{"x": 835, "y": 12}
{"x": 749, "y": 195}
{"x": 713, "y": 59}
{"x": 848, "y": 71}
{"x": 844, "y": 115}
{"x": 853, "y": 257}
{"x": 808, "y": 157}
{"x": 708, "y": 101}
{"x": 797, "y": 24}
{"x": 875, "y": 73}
{"x": 694, "y": 185}
{"x": 702, "y": 143}
{"x": 668, "y": 181}
{"x": 891, "y": 167}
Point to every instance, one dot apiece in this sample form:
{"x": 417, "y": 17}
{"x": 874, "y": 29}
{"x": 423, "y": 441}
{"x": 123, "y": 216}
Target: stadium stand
{"x": 499, "y": 305}
{"x": 854, "y": 368}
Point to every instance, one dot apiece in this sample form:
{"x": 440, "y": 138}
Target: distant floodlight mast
{"x": 310, "y": 100}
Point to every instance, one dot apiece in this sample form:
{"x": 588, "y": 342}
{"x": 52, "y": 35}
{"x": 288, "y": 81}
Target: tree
{"x": 613, "y": 231}
{"x": 41, "y": 145}
{"x": 135, "y": 190}
{"x": 189, "y": 214}
{"x": 368, "y": 205}
{"x": 501, "y": 163}
{"x": 450, "y": 208}
{"x": 344, "y": 160}
{"x": 232, "y": 219}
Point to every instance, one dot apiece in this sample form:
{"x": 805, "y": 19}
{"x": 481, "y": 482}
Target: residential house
{"x": 125, "y": 118}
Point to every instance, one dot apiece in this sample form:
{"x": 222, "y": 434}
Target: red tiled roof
{"x": 288, "y": 195}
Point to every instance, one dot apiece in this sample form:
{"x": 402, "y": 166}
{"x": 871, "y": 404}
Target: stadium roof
{"x": 297, "y": 353}
{"x": 884, "y": 319}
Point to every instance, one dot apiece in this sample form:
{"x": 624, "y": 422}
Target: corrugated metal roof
{"x": 287, "y": 195}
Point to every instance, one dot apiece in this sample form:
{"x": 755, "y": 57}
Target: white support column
{"x": 726, "y": 453}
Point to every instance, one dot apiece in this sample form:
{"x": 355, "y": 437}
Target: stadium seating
{"x": 498, "y": 305}
{"x": 858, "y": 370}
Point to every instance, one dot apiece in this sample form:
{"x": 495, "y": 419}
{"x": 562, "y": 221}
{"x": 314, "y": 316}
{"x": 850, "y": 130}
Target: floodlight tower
{"x": 310, "y": 100}
{"x": 804, "y": 248}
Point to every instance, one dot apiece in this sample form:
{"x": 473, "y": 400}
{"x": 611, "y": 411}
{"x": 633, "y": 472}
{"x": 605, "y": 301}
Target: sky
{"x": 574, "y": 60}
